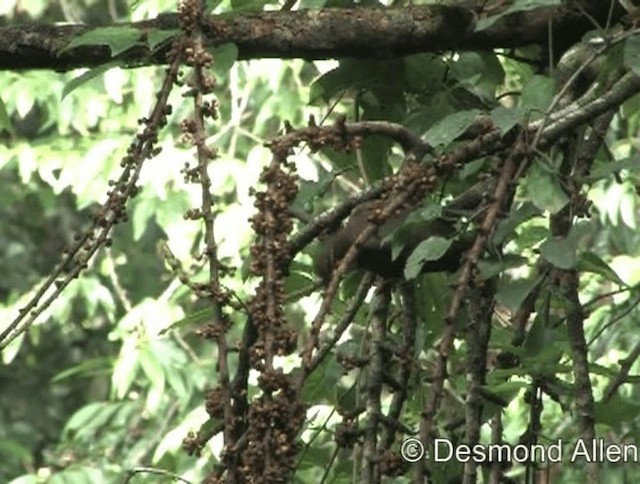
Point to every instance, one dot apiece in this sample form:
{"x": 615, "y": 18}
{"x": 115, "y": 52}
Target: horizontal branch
{"x": 330, "y": 33}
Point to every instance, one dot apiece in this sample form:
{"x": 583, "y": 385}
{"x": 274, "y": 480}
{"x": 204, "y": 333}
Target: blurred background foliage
{"x": 95, "y": 388}
{"x": 112, "y": 376}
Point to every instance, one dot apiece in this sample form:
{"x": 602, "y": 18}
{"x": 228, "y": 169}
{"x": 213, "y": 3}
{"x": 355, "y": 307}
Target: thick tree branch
{"x": 315, "y": 34}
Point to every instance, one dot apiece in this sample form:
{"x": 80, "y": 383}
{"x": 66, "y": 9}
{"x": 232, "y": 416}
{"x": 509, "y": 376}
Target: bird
{"x": 376, "y": 254}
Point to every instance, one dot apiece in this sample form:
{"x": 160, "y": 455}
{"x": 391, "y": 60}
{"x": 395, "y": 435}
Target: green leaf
{"x": 86, "y": 77}
{"x": 507, "y": 390}
{"x": 145, "y": 207}
{"x": 440, "y": 105}
{"x": 125, "y": 368}
{"x": 310, "y": 459}
{"x": 518, "y": 6}
{"x": 431, "y": 303}
{"x": 224, "y": 56}
{"x": 351, "y": 73}
{"x": 478, "y": 72}
{"x": 92, "y": 415}
{"x": 561, "y": 252}
{"x": 77, "y": 475}
{"x": 543, "y": 347}
{"x": 631, "y": 53}
{"x": 424, "y": 72}
{"x": 492, "y": 267}
{"x": 311, "y": 191}
{"x": 536, "y": 339}
{"x": 511, "y": 293}
{"x": 89, "y": 368}
{"x": 449, "y": 128}
{"x": 506, "y": 228}
{"x": 158, "y": 37}
{"x": 544, "y": 190}
{"x": 26, "y": 479}
{"x": 590, "y": 262}
{"x": 431, "y": 249}
{"x": 11, "y": 350}
{"x": 296, "y": 281}
{"x": 13, "y": 449}
{"x": 431, "y": 212}
{"x": 195, "y": 318}
{"x": 5, "y": 120}
{"x": 150, "y": 363}
{"x": 95, "y": 295}
{"x": 537, "y": 94}
{"x": 604, "y": 170}
{"x": 118, "y": 39}
{"x": 630, "y": 107}
{"x": 399, "y": 235}
{"x": 506, "y": 118}
{"x": 319, "y": 387}
{"x": 616, "y": 410}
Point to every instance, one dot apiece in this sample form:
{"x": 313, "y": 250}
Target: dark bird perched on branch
{"x": 375, "y": 254}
